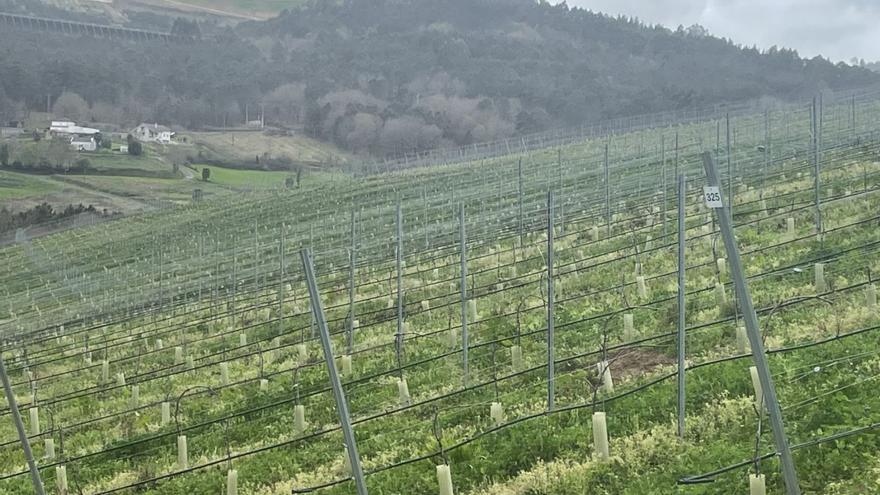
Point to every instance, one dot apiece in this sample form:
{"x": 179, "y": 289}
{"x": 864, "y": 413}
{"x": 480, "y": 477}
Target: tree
{"x": 4, "y": 155}
{"x": 135, "y": 148}
{"x": 70, "y": 106}
{"x": 206, "y": 174}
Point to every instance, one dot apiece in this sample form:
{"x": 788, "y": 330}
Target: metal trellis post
{"x": 681, "y": 308}
{"x": 462, "y": 248}
{"x": 551, "y": 358}
{"x": 22, "y": 433}
{"x": 338, "y": 393}
{"x": 751, "y": 319}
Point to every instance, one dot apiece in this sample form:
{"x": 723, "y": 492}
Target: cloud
{"x": 836, "y": 29}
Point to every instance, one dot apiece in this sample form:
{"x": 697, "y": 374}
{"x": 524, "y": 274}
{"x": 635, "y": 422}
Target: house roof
{"x": 155, "y": 127}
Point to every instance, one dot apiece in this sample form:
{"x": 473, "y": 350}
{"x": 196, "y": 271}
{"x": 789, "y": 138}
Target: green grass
{"x": 149, "y": 163}
{"x": 248, "y": 145}
{"x": 256, "y": 179}
{"x": 14, "y": 185}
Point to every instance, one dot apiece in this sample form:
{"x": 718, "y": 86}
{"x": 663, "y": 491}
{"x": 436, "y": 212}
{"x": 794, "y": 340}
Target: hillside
{"x": 175, "y": 352}
{"x": 385, "y": 77}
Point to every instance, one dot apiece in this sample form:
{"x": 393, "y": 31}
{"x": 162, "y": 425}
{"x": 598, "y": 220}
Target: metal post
{"x": 424, "y": 216}
{"x": 729, "y": 168}
{"x": 607, "y": 193}
{"x": 234, "y": 281}
{"x": 751, "y": 319}
{"x": 338, "y": 393}
{"x": 399, "y": 338}
{"x": 816, "y": 167}
{"x": 551, "y": 354}
{"x": 681, "y": 314}
{"x": 22, "y": 433}
{"x": 352, "y": 258}
{"x": 520, "y": 192}
{"x": 663, "y": 179}
{"x": 281, "y": 274}
{"x": 462, "y": 248}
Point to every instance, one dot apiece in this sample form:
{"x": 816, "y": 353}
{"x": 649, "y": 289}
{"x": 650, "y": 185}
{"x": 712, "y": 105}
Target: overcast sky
{"x": 836, "y": 29}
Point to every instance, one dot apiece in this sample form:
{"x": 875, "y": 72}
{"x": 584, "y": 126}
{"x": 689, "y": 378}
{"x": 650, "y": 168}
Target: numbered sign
{"x": 713, "y": 196}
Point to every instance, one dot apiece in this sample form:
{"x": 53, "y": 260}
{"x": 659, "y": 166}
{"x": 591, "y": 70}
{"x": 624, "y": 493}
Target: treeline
{"x": 43, "y": 213}
{"x": 390, "y": 76}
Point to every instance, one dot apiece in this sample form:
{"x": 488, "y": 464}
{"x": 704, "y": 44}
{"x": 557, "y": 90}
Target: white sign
{"x": 713, "y": 196}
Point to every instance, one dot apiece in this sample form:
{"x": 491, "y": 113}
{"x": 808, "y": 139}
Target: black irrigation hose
{"x": 481, "y": 385}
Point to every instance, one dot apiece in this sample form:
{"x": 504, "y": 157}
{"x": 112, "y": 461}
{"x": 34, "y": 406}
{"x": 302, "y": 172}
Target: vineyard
{"x": 503, "y": 325}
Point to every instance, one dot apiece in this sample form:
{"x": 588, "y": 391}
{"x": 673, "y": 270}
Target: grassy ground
{"x": 256, "y": 179}
{"x": 14, "y": 185}
{"x": 247, "y": 145}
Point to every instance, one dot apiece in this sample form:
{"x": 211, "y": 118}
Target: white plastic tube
{"x": 496, "y": 411}
{"x": 600, "y": 436}
{"x": 35, "y": 420}
{"x": 299, "y": 419}
{"x": 472, "y": 310}
{"x": 516, "y": 361}
{"x": 643, "y": 288}
{"x": 756, "y": 383}
{"x": 166, "y": 413}
{"x": 604, "y": 369}
{"x": 721, "y": 263}
{"x": 135, "y": 396}
{"x": 742, "y": 340}
{"x": 821, "y": 287}
{"x": 757, "y": 485}
{"x": 242, "y": 339}
{"x": 182, "y": 455}
{"x": 426, "y": 305}
{"x": 178, "y": 355}
{"x": 120, "y": 379}
{"x": 105, "y": 371}
{"x": 61, "y": 479}
{"x": 264, "y": 385}
{"x": 720, "y": 295}
{"x": 346, "y": 365}
{"x": 159, "y": 344}
{"x": 49, "y": 445}
{"x": 871, "y": 296}
{"x": 302, "y": 352}
{"x": 444, "y": 479}
{"x": 629, "y": 332}
{"x": 789, "y": 225}
{"x": 224, "y": 373}
{"x": 594, "y": 234}
{"x": 232, "y": 482}
{"x": 403, "y": 392}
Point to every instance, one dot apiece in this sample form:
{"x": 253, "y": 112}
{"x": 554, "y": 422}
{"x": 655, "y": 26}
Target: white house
{"x": 65, "y": 127}
{"x": 84, "y": 143}
{"x": 154, "y": 133}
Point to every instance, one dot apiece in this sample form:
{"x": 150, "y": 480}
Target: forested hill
{"x": 387, "y": 76}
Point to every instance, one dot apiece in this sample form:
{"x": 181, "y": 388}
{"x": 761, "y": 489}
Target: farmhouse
{"x": 83, "y": 143}
{"x": 153, "y": 133}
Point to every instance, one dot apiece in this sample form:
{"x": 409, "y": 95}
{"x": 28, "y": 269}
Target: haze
{"x": 836, "y": 29}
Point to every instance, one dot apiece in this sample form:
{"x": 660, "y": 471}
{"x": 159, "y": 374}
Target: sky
{"x": 836, "y": 29}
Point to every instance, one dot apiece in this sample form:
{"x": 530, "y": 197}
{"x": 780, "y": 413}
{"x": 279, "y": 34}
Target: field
{"x": 13, "y": 185}
{"x": 248, "y": 145}
{"x": 174, "y": 351}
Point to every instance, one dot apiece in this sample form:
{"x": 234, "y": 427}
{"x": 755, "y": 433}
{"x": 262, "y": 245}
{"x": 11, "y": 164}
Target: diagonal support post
{"x": 751, "y": 319}
{"x": 341, "y": 405}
